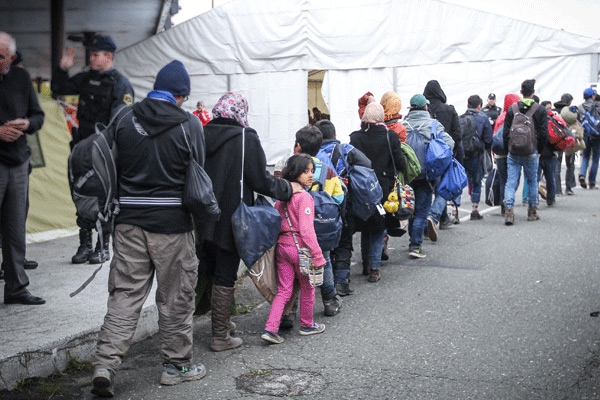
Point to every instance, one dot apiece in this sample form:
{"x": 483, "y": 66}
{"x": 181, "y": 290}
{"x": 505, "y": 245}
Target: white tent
{"x": 266, "y": 51}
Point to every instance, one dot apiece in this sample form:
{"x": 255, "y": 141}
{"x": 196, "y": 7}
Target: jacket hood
{"x": 510, "y": 99}
{"x": 158, "y": 116}
{"x": 433, "y": 90}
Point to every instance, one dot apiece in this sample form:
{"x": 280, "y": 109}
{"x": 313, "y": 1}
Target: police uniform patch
{"x": 128, "y": 99}
{"x": 307, "y": 211}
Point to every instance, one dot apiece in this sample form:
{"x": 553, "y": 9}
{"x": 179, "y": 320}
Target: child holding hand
{"x": 300, "y": 210}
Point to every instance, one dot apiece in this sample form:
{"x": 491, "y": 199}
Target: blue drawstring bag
{"x": 438, "y": 156}
{"x": 453, "y": 181}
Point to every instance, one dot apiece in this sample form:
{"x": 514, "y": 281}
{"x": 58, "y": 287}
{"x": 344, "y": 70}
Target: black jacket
{"x": 445, "y": 113}
{"x": 224, "y": 166}
{"x": 152, "y": 163}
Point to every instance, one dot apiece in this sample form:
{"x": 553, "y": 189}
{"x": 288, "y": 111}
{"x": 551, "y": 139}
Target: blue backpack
{"x": 365, "y": 191}
{"x": 328, "y": 218}
{"x": 439, "y": 154}
{"x": 453, "y": 182}
{"x": 590, "y": 119}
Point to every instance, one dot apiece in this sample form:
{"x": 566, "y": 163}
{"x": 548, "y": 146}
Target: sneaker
{"x": 343, "y": 289}
{"x": 333, "y": 306}
{"x": 173, "y": 375}
{"x": 432, "y": 229}
{"x": 475, "y": 216}
{"x": 103, "y": 383}
{"x": 569, "y": 192}
{"x": 374, "y": 276}
{"x": 582, "y": 181}
{"x": 416, "y": 253}
{"x": 271, "y": 337}
{"x": 313, "y": 330}
{"x": 593, "y": 186}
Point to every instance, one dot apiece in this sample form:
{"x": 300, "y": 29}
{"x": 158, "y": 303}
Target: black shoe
{"x": 1, "y": 274}
{"x": 287, "y": 321}
{"x": 343, "y": 289}
{"x": 582, "y": 181}
{"x": 30, "y": 264}
{"x": 26, "y": 298}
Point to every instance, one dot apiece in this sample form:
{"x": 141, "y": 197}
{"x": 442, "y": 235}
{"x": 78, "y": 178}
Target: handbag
{"x": 401, "y": 201}
{"x": 255, "y": 228}
{"x": 305, "y": 260}
{"x": 263, "y": 274}
{"x": 198, "y": 196}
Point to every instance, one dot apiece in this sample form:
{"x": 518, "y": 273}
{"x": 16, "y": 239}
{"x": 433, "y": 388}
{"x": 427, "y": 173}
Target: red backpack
{"x": 559, "y": 133}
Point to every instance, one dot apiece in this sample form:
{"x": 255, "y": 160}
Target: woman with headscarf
{"x": 391, "y": 107}
{"x": 379, "y": 144}
{"x": 217, "y": 252}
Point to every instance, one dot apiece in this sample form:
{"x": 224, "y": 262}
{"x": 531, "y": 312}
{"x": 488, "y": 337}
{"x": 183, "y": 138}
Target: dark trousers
{"x": 219, "y": 263}
{"x": 341, "y": 256}
{"x": 14, "y": 186}
{"x": 570, "y": 181}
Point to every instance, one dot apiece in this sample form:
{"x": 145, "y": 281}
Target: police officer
{"x": 491, "y": 109}
{"x": 102, "y": 91}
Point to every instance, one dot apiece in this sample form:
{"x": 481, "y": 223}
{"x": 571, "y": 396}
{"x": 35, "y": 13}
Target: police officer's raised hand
{"x": 68, "y": 59}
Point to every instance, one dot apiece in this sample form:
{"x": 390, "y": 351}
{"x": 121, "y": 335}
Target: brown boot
{"x": 222, "y": 298}
{"x": 509, "y": 216}
{"x": 532, "y": 214}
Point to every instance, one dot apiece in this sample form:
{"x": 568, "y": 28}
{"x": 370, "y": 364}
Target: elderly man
{"x": 20, "y": 113}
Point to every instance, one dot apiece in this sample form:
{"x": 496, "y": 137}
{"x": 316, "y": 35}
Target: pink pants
{"x": 288, "y": 270}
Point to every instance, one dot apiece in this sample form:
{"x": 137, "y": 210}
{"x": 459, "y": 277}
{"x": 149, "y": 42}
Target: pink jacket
{"x": 301, "y": 208}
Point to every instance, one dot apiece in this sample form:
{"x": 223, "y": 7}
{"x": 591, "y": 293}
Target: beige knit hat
{"x": 373, "y": 113}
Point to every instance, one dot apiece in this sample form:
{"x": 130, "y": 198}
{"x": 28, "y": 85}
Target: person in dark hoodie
{"x": 153, "y": 233}
{"x": 218, "y": 255}
{"x": 448, "y": 117}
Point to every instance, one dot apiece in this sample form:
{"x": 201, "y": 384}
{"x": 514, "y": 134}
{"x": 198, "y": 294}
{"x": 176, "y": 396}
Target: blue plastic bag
{"x": 453, "y": 181}
{"x": 438, "y": 156}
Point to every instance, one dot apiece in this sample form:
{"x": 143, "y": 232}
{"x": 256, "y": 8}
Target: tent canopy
{"x": 266, "y": 50}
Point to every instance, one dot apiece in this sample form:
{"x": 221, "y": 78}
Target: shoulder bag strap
{"x": 243, "y": 156}
{"x": 287, "y": 216}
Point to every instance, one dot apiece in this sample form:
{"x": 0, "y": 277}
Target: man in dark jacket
{"x": 153, "y": 232}
{"x": 20, "y": 114}
{"x": 528, "y": 162}
{"x": 448, "y": 117}
{"x": 102, "y": 92}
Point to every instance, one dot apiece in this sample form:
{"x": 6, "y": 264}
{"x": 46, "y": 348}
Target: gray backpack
{"x": 522, "y": 139}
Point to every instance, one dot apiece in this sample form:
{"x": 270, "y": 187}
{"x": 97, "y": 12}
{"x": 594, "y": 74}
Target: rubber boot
{"x": 222, "y": 297}
{"x": 84, "y": 251}
{"x": 101, "y": 254}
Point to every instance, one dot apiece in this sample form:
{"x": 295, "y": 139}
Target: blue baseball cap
{"x": 589, "y": 92}
{"x": 102, "y": 43}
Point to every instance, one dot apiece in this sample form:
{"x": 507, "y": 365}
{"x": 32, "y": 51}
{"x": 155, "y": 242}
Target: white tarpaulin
{"x": 266, "y": 49}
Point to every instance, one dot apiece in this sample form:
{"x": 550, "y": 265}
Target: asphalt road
{"x": 492, "y": 312}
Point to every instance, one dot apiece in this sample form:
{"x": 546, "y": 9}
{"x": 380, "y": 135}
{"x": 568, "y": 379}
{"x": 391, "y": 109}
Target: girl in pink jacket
{"x": 300, "y": 209}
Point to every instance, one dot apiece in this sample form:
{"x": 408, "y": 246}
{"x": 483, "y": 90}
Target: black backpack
{"x": 522, "y": 140}
{"x": 92, "y": 173}
{"x": 472, "y": 145}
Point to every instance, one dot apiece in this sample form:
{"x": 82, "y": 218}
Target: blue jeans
{"x": 327, "y": 287}
{"x": 474, "y": 174}
{"x": 530, "y": 167}
{"x": 592, "y": 148}
{"x": 371, "y": 244}
{"x": 418, "y": 223}
{"x": 547, "y": 165}
{"x": 438, "y": 207}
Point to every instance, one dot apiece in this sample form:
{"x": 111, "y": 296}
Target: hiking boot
{"x": 173, "y": 375}
{"x": 271, "y": 337}
{"x": 84, "y": 251}
{"x": 542, "y": 191}
{"x": 582, "y": 181}
{"x": 343, "y": 289}
{"x": 315, "y": 329}
{"x": 432, "y": 229}
{"x": 366, "y": 268}
{"x": 332, "y": 306}
{"x": 374, "y": 276}
{"x": 103, "y": 383}
{"x": 509, "y": 216}
{"x": 101, "y": 253}
{"x": 532, "y": 214}
{"x": 416, "y": 253}
{"x": 385, "y": 255}
{"x": 475, "y": 216}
